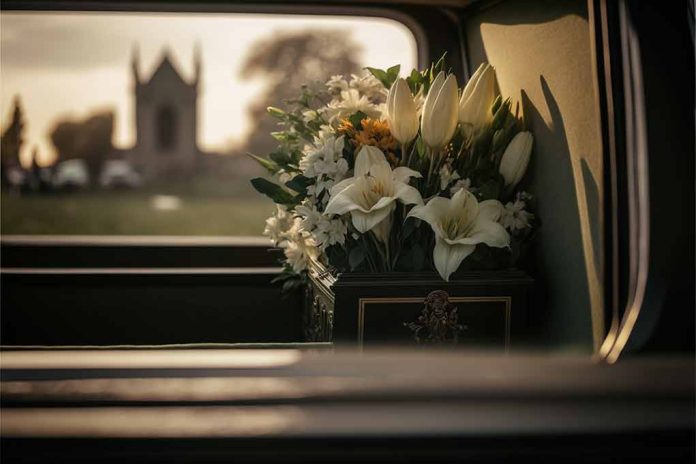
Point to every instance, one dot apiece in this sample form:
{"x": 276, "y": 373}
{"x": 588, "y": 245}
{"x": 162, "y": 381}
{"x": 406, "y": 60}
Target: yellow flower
{"x": 376, "y": 133}
{"x": 345, "y": 127}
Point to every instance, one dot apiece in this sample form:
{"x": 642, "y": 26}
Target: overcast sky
{"x": 73, "y": 64}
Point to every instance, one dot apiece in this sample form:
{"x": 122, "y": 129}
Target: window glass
{"x": 140, "y": 123}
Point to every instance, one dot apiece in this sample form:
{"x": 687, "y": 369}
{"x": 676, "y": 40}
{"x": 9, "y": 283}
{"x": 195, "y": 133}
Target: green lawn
{"x": 132, "y": 213}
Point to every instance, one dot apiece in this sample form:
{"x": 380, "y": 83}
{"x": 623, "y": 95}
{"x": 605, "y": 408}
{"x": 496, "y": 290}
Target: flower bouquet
{"x": 377, "y": 174}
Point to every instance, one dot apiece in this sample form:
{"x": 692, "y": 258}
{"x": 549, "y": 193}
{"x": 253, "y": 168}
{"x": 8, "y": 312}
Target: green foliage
{"x": 356, "y": 119}
{"x": 356, "y": 257}
{"x": 268, "y": 165}
{"x": 431, "y": 73}
{"x": 388, "y": 77}
{"x": 299, "y": 184}
{"x": 289, "y": 280}
{"x": 490, "y": 190}
{"x": 276, "y": 112}
{"x": 273, "y": 191}
{"x": 415, "y": 80}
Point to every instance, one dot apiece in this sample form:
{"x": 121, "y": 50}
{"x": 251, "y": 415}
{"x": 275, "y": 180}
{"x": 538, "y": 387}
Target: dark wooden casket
{"x": 482, "y": 309}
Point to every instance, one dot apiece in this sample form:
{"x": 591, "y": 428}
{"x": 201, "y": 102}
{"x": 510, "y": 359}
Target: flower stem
{"x": 382, "y": 255}
{"x": 430, "y": 153}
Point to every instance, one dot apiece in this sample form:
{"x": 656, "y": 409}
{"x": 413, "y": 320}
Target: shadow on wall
{"x": 560, "y": 241}
{"x": 542, "y": 51}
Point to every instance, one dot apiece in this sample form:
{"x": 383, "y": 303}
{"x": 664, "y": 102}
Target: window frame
{"x": 192, "y": 252}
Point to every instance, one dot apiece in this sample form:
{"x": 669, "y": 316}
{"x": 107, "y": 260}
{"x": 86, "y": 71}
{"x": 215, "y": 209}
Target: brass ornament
{"x": 438, "y": 322}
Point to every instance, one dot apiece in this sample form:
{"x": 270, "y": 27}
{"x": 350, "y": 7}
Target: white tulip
{"x": 370, "y": 196}
{"x": 402, "y": 112}
{"x": 439, "y": 119}
{"x": 515, "y": 159}
{"x": 460, "y": 223}
{"x": 477, "y": 99}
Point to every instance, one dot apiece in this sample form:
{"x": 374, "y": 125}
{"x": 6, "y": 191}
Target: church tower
{"x": 166, "y": 118}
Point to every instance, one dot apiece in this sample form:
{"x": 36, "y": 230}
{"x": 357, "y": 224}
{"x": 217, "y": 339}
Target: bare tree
{"x": 288, "y": 60}
{"x": 12, "y": 137}
{"x": 89, "y": 140}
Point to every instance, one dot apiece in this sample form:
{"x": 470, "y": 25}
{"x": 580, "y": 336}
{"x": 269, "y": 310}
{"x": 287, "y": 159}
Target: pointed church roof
{"x": 166, "y": 70}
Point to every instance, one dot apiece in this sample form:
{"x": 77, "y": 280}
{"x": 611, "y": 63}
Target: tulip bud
{"x": 516, "y": 158}
{"x": 439, "y": 119}
{"x": 402, "y": 113}
{"x": 477, "y": 98}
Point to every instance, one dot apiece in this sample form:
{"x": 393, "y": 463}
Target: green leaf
{"x": 270, "y": 166}
{"x": 414, "y": 81}
{"x": 439, "y": 65}
{"x": 284, "y": 136}
{"x": 501, "y": 114}
{"x": 418, "y": 257}
{"x": 392, "y": 75}
{"x": 356, "y": 257}
{"x": 490, "y": 190}
{"x": 291, "y": 285}
{"x": 273, "y": 191}
{"x": 280, "y": 157}
{"x": 380, "y": 74}
{"x": 276, "y": 112}
{"x": 420, "y": 147}
{"x": 409, "y": 227}
{"x": 496, "y": 104}
{"x": 299, "y": 184}
{"x": 356, "y": 119}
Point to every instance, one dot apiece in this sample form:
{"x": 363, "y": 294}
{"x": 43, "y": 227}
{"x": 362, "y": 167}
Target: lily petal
{"x": 381, "y": 203}
{"x": 337, "y": 188}
{"x": 365, "y": 221}
{"x": 342, "y": 202}
{"x": 403, "y": 174}
{"x": 491, "y": 233}
{"x": 463, "y": 203}
{"x": 448, "y": 258}
{"x": 367, "y": 157}
{"x": 490, "y": 210}
{"x": 407, "y": 194}
{"x": 431, "y": 212}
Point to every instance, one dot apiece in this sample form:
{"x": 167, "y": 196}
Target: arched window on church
{"x": 166, "y": 127}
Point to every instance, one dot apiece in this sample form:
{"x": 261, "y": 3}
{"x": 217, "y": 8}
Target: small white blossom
{"x": 279, "y": 225}
{"x": 324, "y": 161}
{"x": 300, "y": 252}
{"x": 447, "y": 176}
{"x": 337, "y": 84}
{"x": 514, "y": 216}
{"x": 309, "y": 115}
{"x": 369, "y": 86}
{"x": 349, "y": 103}
{"x": 461, "y": 184}
{"x": 325, "y": 231}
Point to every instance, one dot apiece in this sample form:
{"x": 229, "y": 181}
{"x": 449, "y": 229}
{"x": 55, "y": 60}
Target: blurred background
{"x": 139, "y": 123}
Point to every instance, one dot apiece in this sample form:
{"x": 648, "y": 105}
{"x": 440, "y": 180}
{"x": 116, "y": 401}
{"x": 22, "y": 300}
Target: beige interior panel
{"x": 542, "y": 54}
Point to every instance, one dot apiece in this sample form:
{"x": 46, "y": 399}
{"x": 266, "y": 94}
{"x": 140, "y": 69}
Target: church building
{"x": 166, "y": 117}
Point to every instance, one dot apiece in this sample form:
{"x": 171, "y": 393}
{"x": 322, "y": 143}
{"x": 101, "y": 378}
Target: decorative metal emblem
{"x": 318, "y": 318}
{"x": 438, "y": 322}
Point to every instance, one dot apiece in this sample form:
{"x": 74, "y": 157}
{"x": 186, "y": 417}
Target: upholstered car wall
{"x": 542, "y": 53}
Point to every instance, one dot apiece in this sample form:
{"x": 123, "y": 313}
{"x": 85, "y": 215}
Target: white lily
{"x": 370, "y": 196}
{"x": 515, "y": 158}
{"x": 439, "y": 119}
{"x": 402, "y": 112}
{"x": 477, "y": 98}
{"x": 460, "y": 223}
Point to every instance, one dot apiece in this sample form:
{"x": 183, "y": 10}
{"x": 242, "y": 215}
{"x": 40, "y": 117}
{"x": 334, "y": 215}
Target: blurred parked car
{"x": 119, "y": 173}
{"x": 71, "y": 174}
